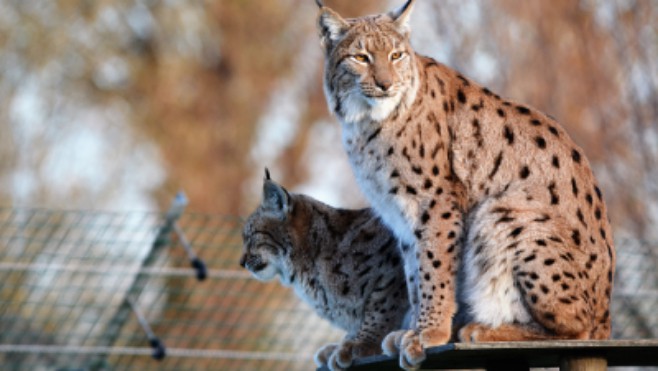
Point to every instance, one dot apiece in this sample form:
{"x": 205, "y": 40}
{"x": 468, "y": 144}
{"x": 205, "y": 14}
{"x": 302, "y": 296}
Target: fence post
{"x": 124, "y": 311}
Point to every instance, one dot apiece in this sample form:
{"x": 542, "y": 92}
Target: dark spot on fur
{"x": 574, "y": 187}
{"x": 525, "y": 172}
{"x": 461, "y": 96}
{"x": 581, "y": 217}
{"x": 575, "y": 155}
{"x": 374, "y": 135}
{"x": 500, "y": 112}
{"x": 554, "y": 197}
{"x": 425, "y": 217}
{"x": 544, "y": 218}
{"x": 549, "y": 262}
{"x": 523, "y": 110}
{"x": 575, "y": 236}
{"x": 509, "y": 135}
{"x": 553, "y": 131}
{"x": 556, "y": 162}
{"x": 516, "y": 232}
{"x": 497, "y": 162}
{"x": 428, "y": 184}
{"x": 541, "y": 142}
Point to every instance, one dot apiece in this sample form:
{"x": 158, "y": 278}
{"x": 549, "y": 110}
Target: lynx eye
{"x": 361, "y": 58}
{"x": 396, "y": 55}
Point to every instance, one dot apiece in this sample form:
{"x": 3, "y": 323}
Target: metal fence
{"x": 97, "y": 290}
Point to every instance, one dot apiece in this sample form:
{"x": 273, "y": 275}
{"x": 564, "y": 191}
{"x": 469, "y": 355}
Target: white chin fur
{"x": 381, "y": 108}
{"x": 265, "y": 274}
{"x": 357, "y": 107}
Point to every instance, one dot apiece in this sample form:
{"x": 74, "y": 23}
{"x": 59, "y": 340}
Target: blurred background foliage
{"x": 118, "y": 104}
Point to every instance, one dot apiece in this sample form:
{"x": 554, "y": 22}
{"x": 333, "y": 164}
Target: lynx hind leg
{"x": 547, "y": 276}
{"x": 525, "y": 265}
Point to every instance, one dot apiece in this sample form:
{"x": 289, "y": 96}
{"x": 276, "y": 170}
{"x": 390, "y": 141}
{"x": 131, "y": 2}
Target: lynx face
{"x": 264, "y": 251}
{"x": 373, "y": 66}
{"x": 266, "y": 236}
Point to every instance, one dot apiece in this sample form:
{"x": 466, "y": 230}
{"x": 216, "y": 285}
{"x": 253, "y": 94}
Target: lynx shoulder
{"x": 344, "y": 263}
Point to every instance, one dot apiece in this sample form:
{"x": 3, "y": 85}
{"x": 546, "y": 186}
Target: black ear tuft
{"x": 331, "y": 25}
{"x": 320, "y": 3}
{"x": 267, "y": 174}
{"x": 401, "y": 16}
{"x": 276, "y": 199}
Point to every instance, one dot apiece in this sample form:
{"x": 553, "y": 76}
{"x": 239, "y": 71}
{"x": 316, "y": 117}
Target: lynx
{"x": 502, "y": 212}
{"x": 343, "y": 263}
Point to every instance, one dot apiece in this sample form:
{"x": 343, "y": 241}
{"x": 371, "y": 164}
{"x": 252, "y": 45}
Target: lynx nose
{"x": 383, "y": 85}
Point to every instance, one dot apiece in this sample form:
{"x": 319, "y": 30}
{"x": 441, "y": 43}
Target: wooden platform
{"x": 568, "y": 355}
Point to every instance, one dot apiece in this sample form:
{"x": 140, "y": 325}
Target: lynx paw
{"x": 411, "y": 346}
{"x": 392, "y": 342}
{"x": 407, "y": 344}
{"x": 470, "y": 333}
{"x": 323, "y": 354}
{"x": 340, "y": 356}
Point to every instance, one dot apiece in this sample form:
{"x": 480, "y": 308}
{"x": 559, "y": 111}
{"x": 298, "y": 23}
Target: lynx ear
{"x": 275, "y": 198}
{"x": 331, "y": 25}
{"x": 401, "y": 17}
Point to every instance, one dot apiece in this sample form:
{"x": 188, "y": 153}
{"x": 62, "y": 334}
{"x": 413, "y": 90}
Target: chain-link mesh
{"x": 74, "y": 284}
{"x": 66, "y": 279}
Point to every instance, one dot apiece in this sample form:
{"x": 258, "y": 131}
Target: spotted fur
{"x": 343, "y": 263}
{"x": 500, "y": 206}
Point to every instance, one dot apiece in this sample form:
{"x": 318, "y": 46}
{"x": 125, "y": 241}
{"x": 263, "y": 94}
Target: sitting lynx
{"x": 344, "y": 263}
{"x": 476, "y": 184}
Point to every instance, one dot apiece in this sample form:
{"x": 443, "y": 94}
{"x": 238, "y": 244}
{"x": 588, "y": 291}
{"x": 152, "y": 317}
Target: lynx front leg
{"x": 438, "y": 231}
{"x": 438, "y": 246}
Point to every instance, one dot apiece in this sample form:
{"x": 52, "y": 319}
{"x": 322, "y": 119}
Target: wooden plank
{"x": 525, "y": 354}
{"x": 583, "y": 364}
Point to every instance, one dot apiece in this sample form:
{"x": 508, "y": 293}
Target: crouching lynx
{"x": 344, "y": 263}
{"x": 501, "y": 208}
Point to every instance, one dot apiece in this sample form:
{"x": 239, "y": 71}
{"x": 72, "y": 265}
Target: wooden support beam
{"x": 584, "y": 364}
